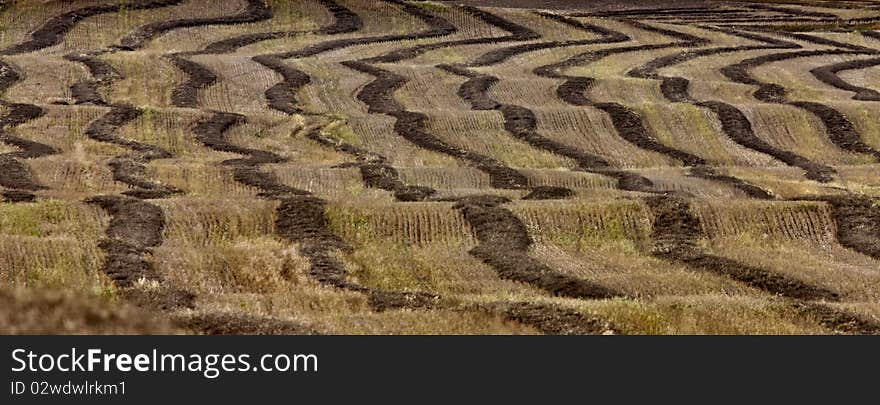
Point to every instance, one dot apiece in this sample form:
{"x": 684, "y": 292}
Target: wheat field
{"x": 439, "y": 167}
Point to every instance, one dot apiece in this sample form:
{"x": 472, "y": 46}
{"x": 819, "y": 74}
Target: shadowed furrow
{"x": 858, "y": 222}
{"x": 676, "y": 233}
{"x": 15, "y": 177}
{"x": 136, "y": 225}
{"x": 343, "y": 21}
{"x": 374, "y": 169}
{"x": 554, "y": 320}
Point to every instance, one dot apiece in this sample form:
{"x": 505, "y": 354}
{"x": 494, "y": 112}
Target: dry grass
{"x": 220, "y": 238}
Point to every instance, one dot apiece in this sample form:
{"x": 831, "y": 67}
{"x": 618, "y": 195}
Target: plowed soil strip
{"x": 627, "y": 123}
{"x": 103, "y": 74}
{"x": 858, "y": 222}
{"x": 256, "y": 10}
{"x": 130, "y": 169}
{"x": 856, "y": 217}
{"x": 373, "y": 167}
{"x": 552, "y": 319}
{"x": 15, "y": 177}
{"x": 374, "y": 171}
{"x": 733, "y": 121}
{"x": 136, "y": 225}
{"x": 676, "y": 233}
{"x": 840, "y": 130}
{"x": 186, "y": 94}
{"x": 54, "y": 30}
{"x": 504, "y": 243}
{"x": 828, "y": 74}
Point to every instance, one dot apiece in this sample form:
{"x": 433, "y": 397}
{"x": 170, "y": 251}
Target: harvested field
{"x": 433, "y": 167}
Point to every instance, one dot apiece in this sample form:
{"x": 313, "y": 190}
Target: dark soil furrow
{"x": 858, "y": 222}
{"x": 519, "y": 33}
{"x": 103, "y": 74}
{"x": 211, "y": 133}
{"x": 676, "y": 233}
{"x": 840, "y": 130}
{"x": 515, "y": 33}
{"x": 519, "y": 121}
{"x": 54, "y": 30}
{"x": 130, "y": 169}
{"x": 871, "y": 34}
{"x": 553, "y": 320}
{"x": 792, "y": 11}
{"x": 187, "y": 94}
{"x": 256, "y": 10}
{"x": 828, "y": 74}
{"x": 135, "y": 227}
{"x": 837, "y": 320}
{"x": 374, "y": 169}
{"x": 504, "y": 243}
{"x": 15, "y": 177}
{"x": 733, "y": 121}
{"x": 628, "y": 123}
{"x": 819, "y": 40}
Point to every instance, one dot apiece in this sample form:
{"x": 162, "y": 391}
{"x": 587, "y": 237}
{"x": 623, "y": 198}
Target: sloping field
{"x": 425, "y": 167}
